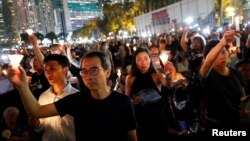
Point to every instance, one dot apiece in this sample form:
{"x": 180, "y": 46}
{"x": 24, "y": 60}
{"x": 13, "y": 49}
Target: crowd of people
{"x": 124, "y": 90}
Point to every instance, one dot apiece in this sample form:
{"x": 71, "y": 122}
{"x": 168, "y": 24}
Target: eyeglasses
{"x": 91, "y": 72}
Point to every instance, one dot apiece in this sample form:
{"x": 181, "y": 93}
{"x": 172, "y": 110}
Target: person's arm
{"x": 17, "y": 76}
{"x": 183, "y": 39}
{"x": 248, "y": 42}
{"x": 38, "y": 54}
{"x": 62, "y": 48}
{"x": 214, "y": 53}
{"x": 69, "y": 55}
{"x": 128, "y": 84}
{"x": 132, "y": 135}
{"x": 164, "y": 80}
{"x": 24, "y": 49}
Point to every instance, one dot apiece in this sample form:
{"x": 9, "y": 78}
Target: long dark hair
{"x": 134, "y": 69}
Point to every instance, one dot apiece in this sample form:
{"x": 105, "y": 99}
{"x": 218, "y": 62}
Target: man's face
{"x": 222, "y": 59}
{"x": 93, "y": 74}
{"x": 54, "y": 72}
{"x": 37, "y": 66}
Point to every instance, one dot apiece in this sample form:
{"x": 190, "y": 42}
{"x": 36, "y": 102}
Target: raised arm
{"x": 184, "y": 39}
{"x": 24, "y": 49}
{"x": 38, "y": 54}
{"x": 129, "y": 81}
{"x": 69, "y": 55}
{"x": 17, "y": 76}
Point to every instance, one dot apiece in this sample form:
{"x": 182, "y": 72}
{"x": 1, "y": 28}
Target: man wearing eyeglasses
{"x": 98, "y": 115}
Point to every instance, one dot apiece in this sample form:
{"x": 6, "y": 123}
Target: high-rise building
{"x": 42, "y": 16}
{"x": 72, "y": 14}
{"x": 22, "y": 15}
{"x": 2, "y": 31}
{"x": 9, "y": 19}
{"x": 82, "y": 10}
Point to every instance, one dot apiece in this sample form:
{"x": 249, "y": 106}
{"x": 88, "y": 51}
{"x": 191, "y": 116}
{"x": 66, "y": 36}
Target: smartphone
{"x": 237, "y": 39}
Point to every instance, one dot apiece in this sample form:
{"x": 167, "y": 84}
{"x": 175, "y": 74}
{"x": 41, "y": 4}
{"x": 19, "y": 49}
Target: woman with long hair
{"x": 144, "y": 78}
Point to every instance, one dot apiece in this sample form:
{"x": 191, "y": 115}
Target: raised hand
{"x": 17, "y": 76}
{"x": 33, "y": 40}
{"x": 169, "y": 68}
{"x": 229, "y": 36}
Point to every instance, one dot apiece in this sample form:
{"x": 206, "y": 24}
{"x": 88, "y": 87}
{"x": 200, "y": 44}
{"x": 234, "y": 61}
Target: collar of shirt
{"x": 68, "y": 89}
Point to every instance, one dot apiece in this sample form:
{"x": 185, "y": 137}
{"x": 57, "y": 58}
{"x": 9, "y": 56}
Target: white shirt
{"x": 56, "y": 128}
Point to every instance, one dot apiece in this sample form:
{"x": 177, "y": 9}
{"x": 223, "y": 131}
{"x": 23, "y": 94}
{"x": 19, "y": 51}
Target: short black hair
{"x": 241, "y": 61}
{"x": 61, "y": 59}
{"x": 53, "y": 45}
{"x": 209, "y": 46}
{"x": 105, "y": 62}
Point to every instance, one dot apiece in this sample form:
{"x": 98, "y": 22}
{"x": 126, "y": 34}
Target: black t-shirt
{"x": 39, "y": 84}
{"x": 109, "y": 119}
{"x": 222, "y": 96}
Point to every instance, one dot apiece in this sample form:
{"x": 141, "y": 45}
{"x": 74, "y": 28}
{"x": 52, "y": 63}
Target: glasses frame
{"x": 91, "y": 72}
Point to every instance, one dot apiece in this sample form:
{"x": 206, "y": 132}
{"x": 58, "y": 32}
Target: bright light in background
{"x": 230, "y": 12}
{"x": 69, "y": 36}
{"x": 125, "y": 34}
{"x": 144, "y": 34}
{"x": 85, "y": 39}
{"x": 219, "y": 29}
{"x": 189, "y": 20}
{"x": 120, "y": 32}
{"x": 206, "y": 30}
{"x": 29, "y": 31}
{"x": 4, "y": 59}
{"x": 46, "y": 41}
{"x": 15, "y": 59}
{"x": 119, "y": 73}
{"x": 237, "y": 23}
{"x": 61, "y": 42}
{"x": 110, "y": 33}
{"x": 149, "y": 34}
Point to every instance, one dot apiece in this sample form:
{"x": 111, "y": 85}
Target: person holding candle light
{"x": 223, "y": 88}
{"x": 101, "y": 113}
{"x": 143, "y": 77}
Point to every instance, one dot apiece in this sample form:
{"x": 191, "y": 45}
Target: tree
{"x": 118, "y": 16}
{"x": 9, "y": 21}
{"x": 39, "y": 36}
{"x": 62, "y": 35}
{"x": 24, "y": 37}
{"x": 52, "y": 36}
{"x": 220, "y": 6}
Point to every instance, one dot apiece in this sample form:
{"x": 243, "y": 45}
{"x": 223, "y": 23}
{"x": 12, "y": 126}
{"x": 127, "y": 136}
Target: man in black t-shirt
{"x": 39, "y": 82}
{"x": 99, "y": 114}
